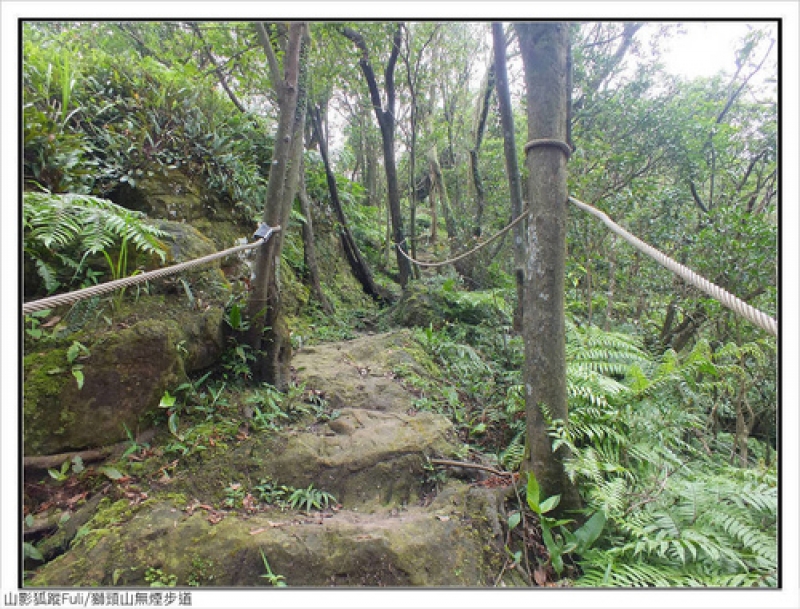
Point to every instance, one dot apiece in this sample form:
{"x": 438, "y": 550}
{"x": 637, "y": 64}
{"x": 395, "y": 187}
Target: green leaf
{"x": 549, "y": 504}
{"x": 78, "y": 374}
{"x": 587, "y": 534}
{"x": 553, "y": 549}
{"x": 30, "y": 551}
{"x": 513, "y": 520}
{"x": 167, "y": 400}
{"x": 173, "y": 425}
{"x": 111, "y": 472}
{"x": 532, "y": 494}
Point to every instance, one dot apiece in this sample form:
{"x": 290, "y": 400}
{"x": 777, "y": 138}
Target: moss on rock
{"x": 441, "y": 546}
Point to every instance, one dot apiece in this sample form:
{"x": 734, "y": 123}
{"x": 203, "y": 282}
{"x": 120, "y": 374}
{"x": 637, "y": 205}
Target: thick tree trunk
{"x": 512, "y": 164}
{"x": 268, "y": 335}
{"x": 544, "y": 55}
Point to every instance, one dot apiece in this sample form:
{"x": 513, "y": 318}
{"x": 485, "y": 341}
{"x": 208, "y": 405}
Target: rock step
{"x": 359, "y": 373}
{"x": 452, "y": 542}
{"x": 364, "y": 458}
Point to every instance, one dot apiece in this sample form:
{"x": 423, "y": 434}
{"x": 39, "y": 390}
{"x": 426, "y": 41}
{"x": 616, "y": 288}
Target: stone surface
{"x": 449, "y": 543}
{"x": 154, "y": 340}
{"x": 394, "y": 523}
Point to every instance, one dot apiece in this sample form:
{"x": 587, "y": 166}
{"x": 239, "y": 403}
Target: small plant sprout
{"x": 279, "y": 581}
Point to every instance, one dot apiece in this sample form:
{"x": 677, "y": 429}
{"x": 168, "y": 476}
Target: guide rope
{"x": 738, "y": 306}
{"x": 753, "y": 315}
{"x": 481, "y": 245}
{"x": 262, "y": 236}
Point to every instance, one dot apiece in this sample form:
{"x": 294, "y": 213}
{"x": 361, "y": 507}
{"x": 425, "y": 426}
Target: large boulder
{"x": 125, "y": 373}
{"x": 155, "y": 337}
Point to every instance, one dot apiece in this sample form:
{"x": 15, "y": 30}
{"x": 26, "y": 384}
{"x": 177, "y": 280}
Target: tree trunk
{"x": 268, "y": 335}
{"x": 386, "y": 122}
{"x": 481, "y": 114}
{"x": 544, "y": 55}
{"x": 612, "y": 282}
{"x": 358, "y": 265}
{"x": 438, "y": 185}
{"x": 512, "y": 164}
{"x": 310, "y": 252}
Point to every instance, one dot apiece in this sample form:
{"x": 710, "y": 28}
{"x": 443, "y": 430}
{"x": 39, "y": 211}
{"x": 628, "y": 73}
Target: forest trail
{"x": 396, "y": 522}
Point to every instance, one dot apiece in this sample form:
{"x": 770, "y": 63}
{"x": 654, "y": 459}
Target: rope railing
{"x": 738, "y": 306}
{"x": 481, "y": 245}
{"x": 262, "y": 236}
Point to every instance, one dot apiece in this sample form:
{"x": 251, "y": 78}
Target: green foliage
{"x": 202, "y": 573}
{"x": 278, "y": 581}
{"x": 63, "y": 232}
{"x": 63, "y": 474}
{"x": 272, "y": 493}
{"x": 705, "y": 529}
{"x": 273, "y": 408}
{"x": 98, "y": 116}
{"x": 678, "y": 514}
{"x": 234, "y": 495}
{"x": 310, "y": 499}
{"x": 30, "y": 551}
{"x": 157, "y": 578}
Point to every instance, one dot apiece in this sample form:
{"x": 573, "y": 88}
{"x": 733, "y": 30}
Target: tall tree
{"x": 544, "y": 55}
{"x": 310, "y": 250}
{"x": 512, "y": 164}
{"x": 385, "y": 115}
{"x": 358, "y": 265}
{"x": 268, "y": 335}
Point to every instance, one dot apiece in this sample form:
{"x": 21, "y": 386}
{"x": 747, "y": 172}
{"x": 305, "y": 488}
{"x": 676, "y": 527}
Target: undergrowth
{"x": 647, "y": 450}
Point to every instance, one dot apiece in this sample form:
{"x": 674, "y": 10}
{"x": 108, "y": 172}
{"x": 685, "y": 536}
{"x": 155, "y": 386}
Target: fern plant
{"x": 679, "y": 514}
{"x": 706, "y": 529}
{"x": 63, "y": 232}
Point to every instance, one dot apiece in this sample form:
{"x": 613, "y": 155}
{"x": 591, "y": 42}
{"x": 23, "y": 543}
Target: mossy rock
{"x": 452, "y": 542}
{"x": 360, "y": 373}
{"x": 428, "y": 303}
{"x": 206, "y": 283}
{"x": 125, "y": 375}
{"x": 172, "y": 196}
{"x": 364, "y": 458}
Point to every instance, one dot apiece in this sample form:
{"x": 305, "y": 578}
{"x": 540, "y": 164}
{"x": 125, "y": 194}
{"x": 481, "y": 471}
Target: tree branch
{"x": 220, "y": 73}
{"x": 272, "y": 60}
{"x": 696, "y": 197}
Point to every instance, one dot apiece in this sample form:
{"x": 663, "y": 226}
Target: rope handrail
{"x": 481, "y": 245}
{"x": 753, "y": 315}
{"x": 262, "y": 236}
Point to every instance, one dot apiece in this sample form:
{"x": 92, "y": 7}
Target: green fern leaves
{"x": 62, "y": 232}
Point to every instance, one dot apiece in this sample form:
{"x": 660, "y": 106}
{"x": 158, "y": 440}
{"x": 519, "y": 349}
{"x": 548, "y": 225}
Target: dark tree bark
{"x": 358, "y": 265}
{"x": 268, "y": 335}
{"x": 544, "y": 55}
{"x": 310, "y": 251}
{"x": 482, "y": 113}
{"x": 512, "y": 164}
{"x": 386, "y": 121}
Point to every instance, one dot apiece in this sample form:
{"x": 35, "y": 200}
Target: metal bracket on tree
{"x": 264, "y": 231}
